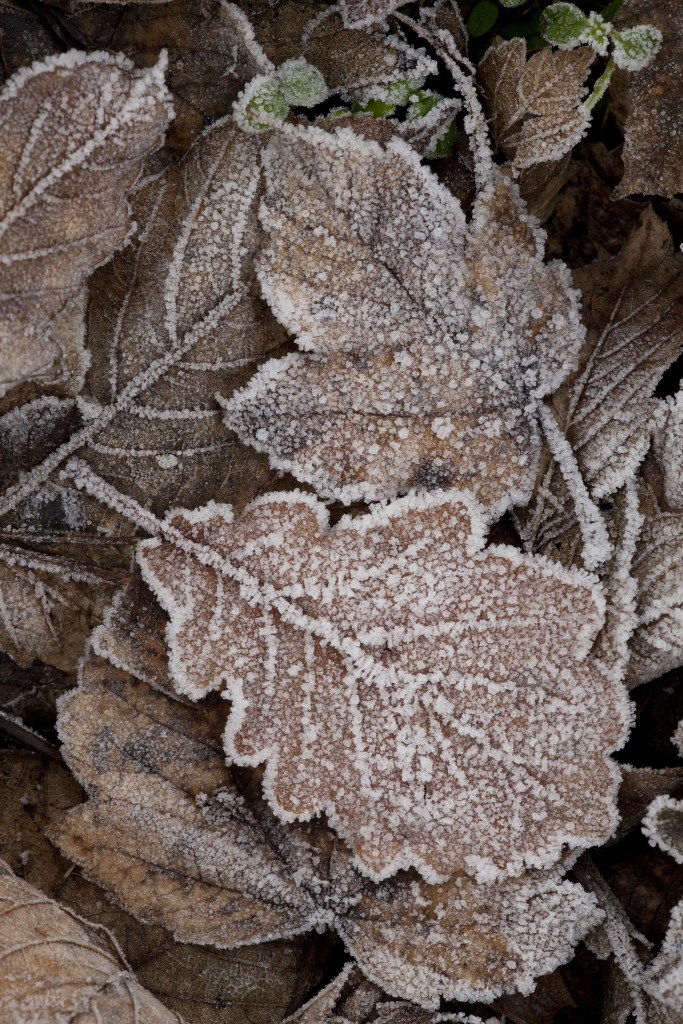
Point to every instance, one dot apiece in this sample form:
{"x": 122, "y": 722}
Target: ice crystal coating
{"x": 535, "y": 105}
{"x": 54, "y": 966}
{"x": 428, "y": 341}
{"x": 668, "y": 449}
{"x": 364, "y": 12}
{"x": 185, "y": 841}
{"x": 261, "y": 104}
{"x": 635, "y": 47}
{"x": 663, "y": 825}
{"x": 377, "y": 668}
{"x": 75, "y": 129}
{"x": 664, "y": 976}
{"x": 302, "y": 84}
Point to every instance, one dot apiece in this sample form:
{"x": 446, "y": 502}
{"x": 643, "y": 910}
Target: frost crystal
{"x": 435, "y": 699}
{"x": 428, "y": 341}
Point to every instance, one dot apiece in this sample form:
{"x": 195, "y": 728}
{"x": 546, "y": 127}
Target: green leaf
{"x": 562, "y": 25}
{"x": 424, "y": 102}
{"x": 635, "y": 47}
{"x": 512, "y": 3}
{"x": 445, "y": 144}
{"x": 399, "y": 93}
{"x": 301, "y": 84}
{"x": 261, "y": 98}
{"x": 482, "y": 18}
{"x": 375, "y": 107}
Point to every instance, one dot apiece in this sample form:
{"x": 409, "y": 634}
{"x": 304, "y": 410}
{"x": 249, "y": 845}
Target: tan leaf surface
{"x": 534, "y": 105}
{"x": 633, "y": 311}
{"x": 182, "y": 840}
{"x": 383, "y": 634}
{"x": 665, "y": 973}
{"x": 653, "y": 151}
{"x": 639, "y": 787}
{"x": 425, "y": 359}
{"x": 173, "y": 318}
{"x": 210, "y": 46}
{"x": 663, "y": 825}
{"x": 204, "y": 984}
{"x": 364, "y": 12}
{"x": 76, "y": 128}
{"x": 54, "y": 964}
{"x": 350, "y": 997}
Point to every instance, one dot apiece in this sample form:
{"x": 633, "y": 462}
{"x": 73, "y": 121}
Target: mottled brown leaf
{"x": 663, "y": 825}
{"x": 210, "y": 47}
{"x": 534, "y": 105}
{"x": 639, "y": 787}
{"x": 427, "y": 341}
{"x": 204, "y": 984}
{"x": 364, "y": 12}
{"x": 54, "y": 964}
{"x": 75, "y": 130}
{"x": 184, "y": 841}
{"x": 653, "y": 153}
{"x": 396, "y": 632}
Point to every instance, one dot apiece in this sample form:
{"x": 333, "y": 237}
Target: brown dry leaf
{"x": 359, "y": 64}
{"x": 181, "y": 840}
{"x": 424, "y": 362}
{"x": 210, "y": 46}
{"x": 351, "y": 999}
{"x": 663, "y": 825}
{"x": 206, "y": 985}
{"x": 664, "y": 981}
{"x": 653, "y": 153}
{"x": 279, "y": 29}
{"x": 55, "y": 964}
{"x": 382, "y": 634}
{"x": 173, "y": 318}
{"x": 633, "y": 311}
{"x": 639, "y": 787}
{"x": 24, "y": 37}
{"x": 76, "y": 129}
{"x": 535, "y": 109}
{"x": 364, "y": 12}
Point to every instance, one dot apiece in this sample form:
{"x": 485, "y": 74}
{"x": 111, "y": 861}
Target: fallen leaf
{"x": 206, "y": 985}
{"x": 210, "y": 48}
{"x": 358, "y": 64}
{"x": 383, "y": 634}
{"x": 180, "y": 839}
{"x": 25, "y": 37}
{"x": 535, "y": 106}
{"x": 663, "y": 825}
{"x": 76, "y": 129}
{"x": 55, "y": 963}
{"x": 653, "y": 151}
{"x": 665, "y": 974}
{"x": 411, "y": 380}
{"x": 365, "y": 12}
{"x": 639, "y": 787}
{"x": 633, "y": 311}
{"x": 350, "y": 997}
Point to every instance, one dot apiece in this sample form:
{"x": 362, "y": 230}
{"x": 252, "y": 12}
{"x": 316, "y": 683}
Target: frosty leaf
{"x": 665, "y": 973}
{"x": 635, "y": 47}
{"x": 633, "y": 311}
{"x": 535, "y": 105}
{"x": 663, "y": 825}
{"x": 364, "y": 12}
{"x": 657, "y": 644}
{"x": 75, "y": 129}
{"x": 352, "y": 998}
{"x": 206, "y": 985}
{"x": 315, "y": 645}
{"x": 653, "y": 150}
{"x": 667, "y": 449}
{"x": 639, "y": 787}
{"x": 184, "y": 841}
{"x": 359, "y": 64}
{"x": 563, "y": 24}
{"x": 427, "y": 358}
{"x": 209, "y": 43}
{"x": 55, "y": 964}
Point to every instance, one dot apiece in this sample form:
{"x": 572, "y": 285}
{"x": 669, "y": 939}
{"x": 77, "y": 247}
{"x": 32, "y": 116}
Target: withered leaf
{"x": 534, "y": 105}
{"x": 664, "y": 980}
{"x": 204, "y": 984}
{"x": 174, "y": 317}
{"x": 428, "y": 341}
{"x": 359, "y": 64}
{"x": 633, "y": 311}
{"x": 663, "y": 825}
{"x": 54, "y": 964}
{"x": 653, "y": 151}
{"x": 184, "y": 841}
{"x": 75, "y": 129}
{"x": 351, "y": 999}
{"x": 209, "y": 43}
{"x": 364, "y": 12}
{"x": 639, "y": 787}
{"x": 395, "y": 632}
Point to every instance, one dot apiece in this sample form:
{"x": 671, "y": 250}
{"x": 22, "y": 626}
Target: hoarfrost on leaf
{"x": 427, "y": 342}
{"x": 377, "y": 668}
{"x": 56, "y": 966}
{"x": 183, "y": 840}
{"x": 663, "y": 825}
{"x": 76, "y": 128}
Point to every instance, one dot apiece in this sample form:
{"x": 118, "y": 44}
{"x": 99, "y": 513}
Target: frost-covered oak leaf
{"x": 75, "y": 128}
{"x": 427, "y": 341}
{"x": 54, "y": 966}
{"x": 181, "y": 839}
{"x": 433, "y": 698}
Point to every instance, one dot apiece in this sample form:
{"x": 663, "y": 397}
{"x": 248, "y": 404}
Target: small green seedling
{"x": 261, "y": 104}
